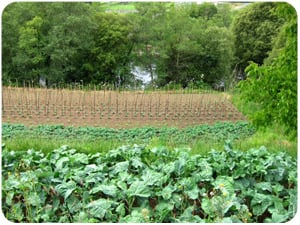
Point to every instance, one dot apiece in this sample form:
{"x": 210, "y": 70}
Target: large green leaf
{"x": 139, "y": 188}
{"x": 188, "y": 217}
{"x": 150, "y": 177}
{"x": 66, "y": 189}
{"x": 60, "y": 162}
{"x": 9, "y": 198}
{"x": 99, "y": 208}
{"x": 264, "y": 186}
{"x": 207, "y": 206}
{"x": 260, "y": 203}
{"x": 120, "y": 167}
{"x": 168, "y": 168}
{"x": 33, "y": 199}
{"x": 167, "y": 191}
{"x": 206, "y": 170}
{"x": 80, "y": 157}
{"x": 179, "y": 166}
{"x": 121, "y": 209}
{"x": 135, "y": 217}
{"x": 189, "y": 186}
{"x": 75, "y": 204}
{"x": 12, "y": 182}
{"x": 224, "y": 184}
{"x": 162, "y": 210}
{"x": 108, "y": 189}
{"x": 16, "y": 213}
{"x": 192, "y": 193}
{"x": 278, "y": 216}
{"x": 137, "y": 163}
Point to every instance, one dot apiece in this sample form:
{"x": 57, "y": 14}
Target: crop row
{"x": 97, "y": 107}
{"x": 135, "y": 184}
{"x": 218, "y": 131}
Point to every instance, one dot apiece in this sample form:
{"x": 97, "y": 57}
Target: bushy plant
{"x": 135, "y": 184}
{"x": 273, "y": 87}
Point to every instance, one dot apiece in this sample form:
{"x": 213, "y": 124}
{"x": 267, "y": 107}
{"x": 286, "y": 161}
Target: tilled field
{"x": 32, "y": 106}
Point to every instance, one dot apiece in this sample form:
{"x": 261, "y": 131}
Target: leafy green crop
{"x": 219, "y": 131}
{"x": 136, "y": 184}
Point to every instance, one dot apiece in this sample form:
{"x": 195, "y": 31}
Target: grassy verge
{"x": 274, "y": 141}
{"x": 46, "y": 145}
{"x": 200, "y": 138}
{"x": 272, "y": 137}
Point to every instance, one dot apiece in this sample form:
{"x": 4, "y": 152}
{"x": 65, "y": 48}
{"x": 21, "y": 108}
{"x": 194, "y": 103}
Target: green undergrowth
{"x": 215, "y": 132}
{"x": 273, "y": 138}
{"x": 95, "y": 139}
{"x": 138, "y": 184}
{"x": 250, "y": 109}
{"x": 19, "y": 143}
{"x": 200, "y": 139}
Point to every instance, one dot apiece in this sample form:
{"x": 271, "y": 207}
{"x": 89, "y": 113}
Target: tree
{"x": 149, "y": 35}
{"x": 49, "y": 41}
{"x": 273, "y": 86}
{"x": 254, "y": 29}
{"x": 29, "y": 58}
{"x": 196, "y": 49}
{"x": 205, "y": 10}
{"x": 110, "y": 55}
{"x": 68, "y": 40}
{"x": 181, "y": 43}
{"x": 14, "y": 17}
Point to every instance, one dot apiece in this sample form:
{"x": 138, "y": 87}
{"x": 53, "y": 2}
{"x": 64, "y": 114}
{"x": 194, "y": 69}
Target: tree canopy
{"x": 273, "y": 85}
{"x": 179, "y": 43}
{"x": 67, "y": 42}
{"x": 255, "y": 28}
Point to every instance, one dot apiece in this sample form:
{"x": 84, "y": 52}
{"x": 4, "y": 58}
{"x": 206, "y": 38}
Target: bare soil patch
{"x": 32, "y": 106}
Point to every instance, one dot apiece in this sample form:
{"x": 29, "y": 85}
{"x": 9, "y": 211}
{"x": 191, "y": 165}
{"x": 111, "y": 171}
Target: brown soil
{"x": 32, "y": 106}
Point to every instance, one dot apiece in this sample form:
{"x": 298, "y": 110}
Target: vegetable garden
{"x": 218, "y": 131}
{"x": 107, "y": 108}
{"x": 137, "y": 184}
{"x": 87, "y": 152}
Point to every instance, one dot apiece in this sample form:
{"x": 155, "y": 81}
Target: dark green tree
{"x": 149, "y": 35}
{"x": 66, "y": 42}
{"x": 196, "y": 49}
{"x": 254, "y": 29}
{"x": 273, "y": 86}
{"x": 69, "y": 40}
{"x": 29, "y": 58}
{"x": 111, "y": 53}
{"x": 205, "y": 10}
{"x": 49, "y": 41}
{"x": 14, "y": 16}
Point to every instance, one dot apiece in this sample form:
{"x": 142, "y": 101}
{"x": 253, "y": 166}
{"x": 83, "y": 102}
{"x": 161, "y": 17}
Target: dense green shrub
{"x": 273, "y": 87}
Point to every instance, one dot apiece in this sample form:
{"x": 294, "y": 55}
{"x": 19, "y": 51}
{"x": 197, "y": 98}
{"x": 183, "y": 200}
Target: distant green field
{"x": 120, "y": 6}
